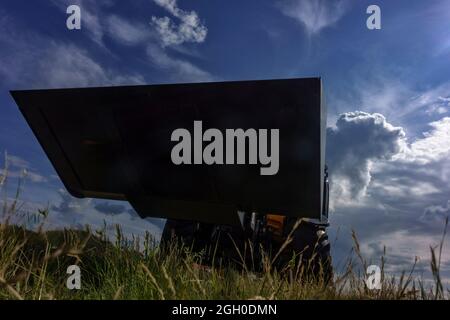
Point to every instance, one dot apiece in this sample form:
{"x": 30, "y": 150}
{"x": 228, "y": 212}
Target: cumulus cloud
{"x": 416, "y": 178}
{"x": 189, "y": 29}
{"x": 372, "y": 163}
{"x": 413, "y": 181}
{"x": 357, "y": 140}
{"x": 419, "y": 175}
{"x": 315, "y": 15}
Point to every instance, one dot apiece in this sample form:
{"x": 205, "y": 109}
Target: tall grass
{"x": 33, "y": 265}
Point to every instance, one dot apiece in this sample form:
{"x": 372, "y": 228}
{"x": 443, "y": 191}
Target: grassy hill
{"x": 33, "y": 265}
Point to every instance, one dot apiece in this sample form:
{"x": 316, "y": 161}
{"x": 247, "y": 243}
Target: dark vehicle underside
{"x": 282, "y": 240}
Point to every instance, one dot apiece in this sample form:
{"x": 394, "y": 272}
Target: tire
{"x": 210, "y": 242}
{"x": 310, "y": 244}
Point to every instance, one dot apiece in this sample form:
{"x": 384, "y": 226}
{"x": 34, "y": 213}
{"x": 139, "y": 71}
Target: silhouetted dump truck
{"x": 233, "y": 164}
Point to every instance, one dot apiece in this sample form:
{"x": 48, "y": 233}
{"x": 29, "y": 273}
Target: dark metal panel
{"x": 114, "y": 143}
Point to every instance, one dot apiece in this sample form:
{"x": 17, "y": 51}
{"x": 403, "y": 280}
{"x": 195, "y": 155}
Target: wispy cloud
{"x": 388, "y": 93}
{"x": 92, "y": 11}
{"x": 126, "y": 32}
{"x": 109, "y": 208}
{"x": 156, "y": 45}
{"x": 314, "y": 15}
{"x": 436, "y": 213}
{"x": 70, "y": 66}
{"x": 76, "y": 213}
{"x": 178, "y": 69}
{"x": 19, "y": 168}
{"x": 35, "y": 61}
{"x": 403, "y": 246}
{"x": 188, "y": 30}
{"x": 155, "y": 36}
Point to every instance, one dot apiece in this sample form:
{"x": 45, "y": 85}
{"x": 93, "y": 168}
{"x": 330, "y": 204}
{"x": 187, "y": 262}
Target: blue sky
{"x": 387, "y": 91}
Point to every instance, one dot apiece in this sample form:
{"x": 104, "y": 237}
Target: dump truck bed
{"x": 116, "y": 143}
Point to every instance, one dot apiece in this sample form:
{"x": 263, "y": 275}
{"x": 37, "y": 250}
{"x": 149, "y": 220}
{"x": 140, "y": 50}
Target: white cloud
{"x": 386, "y": 96}
{"x": 69, "y": 66}
{"x": 440, "y": 106}
{"x": 92, "y": 23}
{"x": 315, "y": 15}
{"x": 178, "y": 69}
{"x": 398, "y": 209}
{"x": 163, "y": 32}
{"x": 34, "y": 61}
{"x": 364, "y": 145}
{"x": 76, "y": 213}
{"x": 16, "y": 161}
{"x": 434, "y": 146}
{"x": 416, "y": 177}
{"x": 189, "y": 29}
{"x": 18, "y": 168}
{"x": 71, "y": 206}
{"x": 155, "y": 41}
{"x": 109, "y": 208}
{"x": 125, "y": 32}
{"x": 91, "y": 13}
{"x": 357, "y": 140}
{"x": 397, "y": 188}
{"x": 397, "y": 101}
{"x": 402, "y": 248}
{"x": 435, "y": 101}
{"x": 395, "y": 98}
